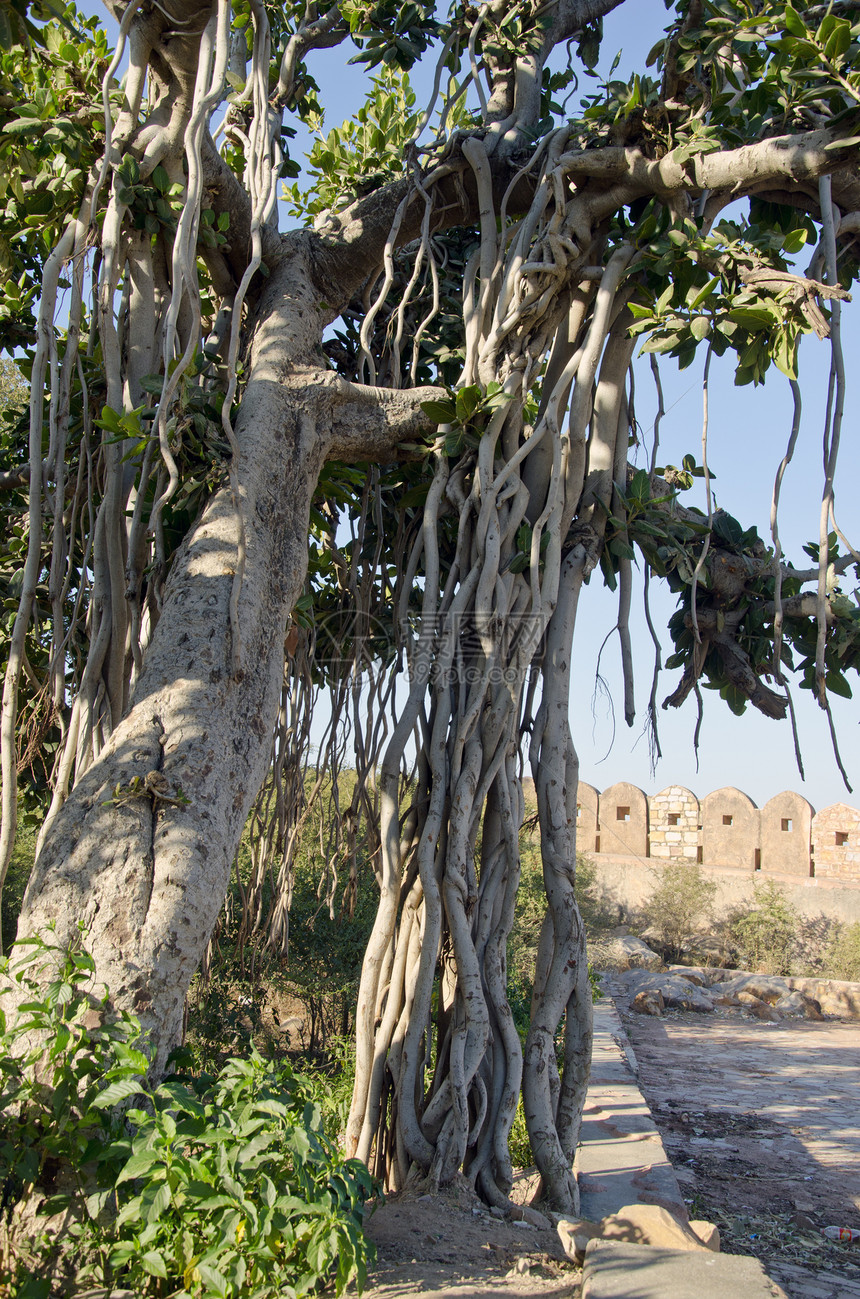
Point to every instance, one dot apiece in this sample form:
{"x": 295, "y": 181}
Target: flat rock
{"x": 677, "y": 992}
{"x": 619, "y": 1270}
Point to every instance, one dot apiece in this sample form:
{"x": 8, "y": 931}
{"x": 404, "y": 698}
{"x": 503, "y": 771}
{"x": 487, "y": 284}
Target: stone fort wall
{"x": 786, "y": 837}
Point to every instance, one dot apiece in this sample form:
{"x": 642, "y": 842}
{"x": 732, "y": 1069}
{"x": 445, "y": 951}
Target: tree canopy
{"x": 391, "y": 443}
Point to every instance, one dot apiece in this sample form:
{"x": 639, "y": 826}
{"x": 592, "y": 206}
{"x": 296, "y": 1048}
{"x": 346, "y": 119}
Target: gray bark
{"x": 143, "y": 869}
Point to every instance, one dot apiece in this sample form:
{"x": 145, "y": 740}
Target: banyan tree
{"x": 358, "y": 441}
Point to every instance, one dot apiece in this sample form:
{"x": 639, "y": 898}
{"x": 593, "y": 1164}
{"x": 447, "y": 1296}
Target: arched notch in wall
{"x": 731, "y": 830}
{"x": 786, "y": 835}
{"x": 624, "y": 820}
{"x": 587, "y": 818}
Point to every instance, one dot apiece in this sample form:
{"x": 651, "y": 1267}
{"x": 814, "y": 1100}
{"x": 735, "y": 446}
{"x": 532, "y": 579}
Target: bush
{"x": 232, "y": 1005}
{"x": 842, "y": 958}
{"x": 17, "y": 876}
{"x": 766, "y": 937}
{"x": 681, "y": 902}
{"x": 208, "y": 1186}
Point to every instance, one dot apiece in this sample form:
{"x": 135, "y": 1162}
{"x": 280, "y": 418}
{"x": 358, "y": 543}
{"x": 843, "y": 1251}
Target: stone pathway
{"x": 785, "y": 1095}
{"x": 766, "y": 1109}
{"x": 803, "y": 1075}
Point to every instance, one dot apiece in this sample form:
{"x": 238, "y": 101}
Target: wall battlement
{"x": 725, "y": 829}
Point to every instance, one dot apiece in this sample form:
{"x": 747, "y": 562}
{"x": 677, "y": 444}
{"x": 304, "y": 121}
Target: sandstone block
{"x": 642, "y": 1224}
{"x": 708, "y": 1234}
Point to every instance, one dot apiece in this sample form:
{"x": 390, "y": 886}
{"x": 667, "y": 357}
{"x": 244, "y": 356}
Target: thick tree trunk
{"x": 143, "y": 869}
{"x": 142, "y": 849}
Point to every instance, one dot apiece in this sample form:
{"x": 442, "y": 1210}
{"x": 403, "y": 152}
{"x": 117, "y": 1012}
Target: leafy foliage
{"x": 767, "y": 934}
{"x": 682, "y": 900}
{"x": 842, "y": 958}
{"x": 51, "y": 130}
{"x": 223, "y": 1185}
{"x": 366, "y": 151}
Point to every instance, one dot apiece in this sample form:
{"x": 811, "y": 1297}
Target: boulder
{"x": 648, "y": 1002}
{"x": 678, "y": 993}
{"x": 697, "y": 974}
{"x": 757, "y": 1008}
{"x": 834, "y": 996}
{"x": 766, "y": 988}
{"x": 626, "y": 952}
{"x": 794, "y": 1005}
{"x": 682, "y": 995}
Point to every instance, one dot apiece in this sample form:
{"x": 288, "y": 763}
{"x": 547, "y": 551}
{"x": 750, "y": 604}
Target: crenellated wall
{"x": 724, "y": 831}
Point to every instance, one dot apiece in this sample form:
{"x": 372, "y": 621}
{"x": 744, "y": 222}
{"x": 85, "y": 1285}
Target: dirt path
{"x": 450, "y": 1244}
{"x": 762, "y": 1124}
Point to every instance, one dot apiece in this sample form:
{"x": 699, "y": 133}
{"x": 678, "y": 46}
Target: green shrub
{"x": 766, "y": 936}
{"x": 682, "y": 901}
{"x": 220, "y": 1186}
{"x": 230, "y": 1008}
{"x": 842, "y": 958}
{"x": 519, "y": 1146}
{"x": 17, "y": 876}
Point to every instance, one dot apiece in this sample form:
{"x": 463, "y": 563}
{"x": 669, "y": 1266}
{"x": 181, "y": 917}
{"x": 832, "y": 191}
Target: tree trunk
{"x": 142, "y": 868}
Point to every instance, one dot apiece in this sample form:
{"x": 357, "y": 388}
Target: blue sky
{"x": 748, "y": 432}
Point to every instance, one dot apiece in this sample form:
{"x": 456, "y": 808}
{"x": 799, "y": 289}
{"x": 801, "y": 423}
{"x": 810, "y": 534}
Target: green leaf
{"x": 839, "y": 40}
{"x": 117, "y": 1091}
{"x": 213, "y": 1279}
{"x": 700, "y": 327}
{"x": 160, "y": 1202}
{"x": 440, "y": 412}
{"x": 794, "y": 241}
{"x": 138, "y": 1165}
{"x": 467, "y": 401}
{"x": 753, "y": 318}
{"x": 794, "y": 24}
{"x": 607, "y": 570}
{"x": 705, "y": 293}
{"x": 154, "y": 1264}
{"x": 837, "y": 685}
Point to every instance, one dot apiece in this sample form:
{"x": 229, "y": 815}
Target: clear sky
{"x": 748, "y": 432}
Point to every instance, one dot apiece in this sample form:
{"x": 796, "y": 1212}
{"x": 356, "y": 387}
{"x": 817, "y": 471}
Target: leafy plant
{"x": 682, "y": 901}
{"x": 767, "y": 935}
{"x": 842, "y": 957}
{"x": 222, "y": 1185}
{"x": 366, "y": 151}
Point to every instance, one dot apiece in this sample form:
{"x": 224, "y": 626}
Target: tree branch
{"x": 368, "y": 423}
{"x": 227, "y": 194}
